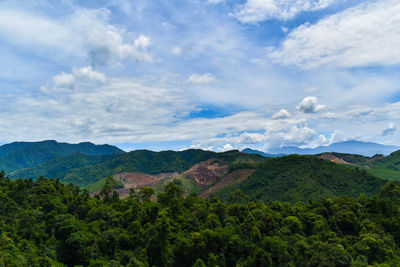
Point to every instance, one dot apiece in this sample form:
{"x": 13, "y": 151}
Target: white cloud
{"x": 87, "y": 73}
{"x": 215, "y": 1}
{"x": 105, "y": 42}
{"x": 390, "y": 129}
{"x": 98, "y": 109}
{"x": 294, "y": 135}
{"x": 310, "y": 105}
{"x": 201, "y": 78}
{"x": 64, "y": 80}
{"x": 176, "y": 50}
{"x": 30, "y": 30}
{"x": 86, "y": 33}
{"x": 336, "y": 136}
{"x": 366, "y": 35}
{"x": 281, "y": 114}
{"x": 224, "y": 148}
{"x": 251, "y": 138}
{"x": 78, "y": 77}
{"x": 259, "y": 10}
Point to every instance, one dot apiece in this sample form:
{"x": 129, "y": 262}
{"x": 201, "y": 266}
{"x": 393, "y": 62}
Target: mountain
{"x": 351, "y": 147}
{"x": 257, "y": 152}
{"x": 60, "y": 166}
{"x": 217, "y": 172}
{"x": 83, "y": 169}
{"x": 300, "y": 178}
{"x": 20, "y": 155}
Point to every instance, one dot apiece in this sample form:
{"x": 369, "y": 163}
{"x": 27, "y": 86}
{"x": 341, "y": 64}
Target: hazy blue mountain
{"x": 351, "y": 147}
{"x": 20, "y": 155}
{"x": 258, "y": 152}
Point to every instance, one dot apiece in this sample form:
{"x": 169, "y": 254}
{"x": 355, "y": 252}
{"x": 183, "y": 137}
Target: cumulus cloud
{"x": 366, "y": 35}
{"x": 77, "y": 76}
{"x": 390, "y": 129}
{"x": 253, "y": 11}
{"x": 336, "y": 136}
{"x": 64, "y": 80}
{"x": 224, "y": 148}
{"x": 251, "y": 138}
{"x": 281, "y": 114}
{"x": 205, "y": 78}
{"x": 97, "y": 109}
{"x": 310, "y": 105}
{"x": 105, "y": 42}
{"x": 82, "y": 33}
{"x": 293, "y": 135}
{"x": 87, "y": 73}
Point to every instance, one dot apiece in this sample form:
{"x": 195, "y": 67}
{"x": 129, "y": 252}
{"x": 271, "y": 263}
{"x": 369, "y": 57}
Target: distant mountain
{"x": 300, "y": 178}
{"x": 351, "y": 147}
{"x": 257, "y": 152}
{"x": 20, "y": 155}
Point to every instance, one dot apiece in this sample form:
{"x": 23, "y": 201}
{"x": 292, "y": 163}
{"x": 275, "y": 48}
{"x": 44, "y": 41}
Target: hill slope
{"x": 300, "y": 178}
{"x": 203, "y": 177}
{"x": 60, "y": 166}
{"x": 385, "y": 167}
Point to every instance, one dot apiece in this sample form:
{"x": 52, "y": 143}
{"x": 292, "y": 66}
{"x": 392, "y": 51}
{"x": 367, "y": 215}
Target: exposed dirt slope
{"x": 206, "y": 172}
{"x": 333, "y": 158}
{"x": 236, "y": 176}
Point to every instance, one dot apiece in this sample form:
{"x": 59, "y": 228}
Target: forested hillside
{"x": 20, "y": 155}
{"x": 47, "y": 223}
{"x": 387, "y": 167}
{"x": 60, "y": 166}
{"x": 300, "y": 178}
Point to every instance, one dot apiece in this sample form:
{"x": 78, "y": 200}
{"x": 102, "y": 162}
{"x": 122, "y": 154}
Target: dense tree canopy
{"x": 47, "y": 223}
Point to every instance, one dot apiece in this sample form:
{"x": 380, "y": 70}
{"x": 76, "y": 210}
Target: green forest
{"x": 48, "y": 223}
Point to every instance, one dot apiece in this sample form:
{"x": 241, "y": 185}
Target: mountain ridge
{"x": 350, "y": 147}
{"x": 20, "y": 155}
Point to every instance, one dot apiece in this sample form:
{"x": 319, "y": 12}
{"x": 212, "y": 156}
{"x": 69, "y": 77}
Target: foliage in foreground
{"x": 47, "y": 223}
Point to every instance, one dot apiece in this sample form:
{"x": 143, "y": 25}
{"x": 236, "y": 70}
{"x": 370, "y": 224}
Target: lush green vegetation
{"x": 84, "y": 170}
{"x": 300, "y": 178}
{"x": 235, "y": 158}
{"x": 59, "y": 167}
{"x": 352, "y": 158}
{"x": 47, "y": 223}
{"x": 144, "y": 161}
{"x": 20, "y": 155}
{"x": 386, "y": 167}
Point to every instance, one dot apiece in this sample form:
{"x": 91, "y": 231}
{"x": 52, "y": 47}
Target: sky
{"x": 210, "y": 74}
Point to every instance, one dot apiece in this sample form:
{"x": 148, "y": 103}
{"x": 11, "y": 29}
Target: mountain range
{"x": 259, "y": 175}
{"x": 351, "y": 147}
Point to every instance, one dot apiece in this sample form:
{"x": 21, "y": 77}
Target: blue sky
{"x": 209, "y": 74}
